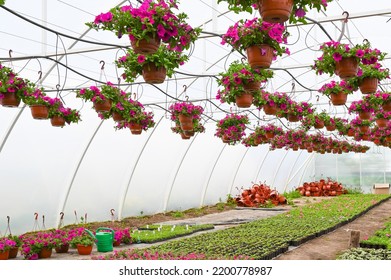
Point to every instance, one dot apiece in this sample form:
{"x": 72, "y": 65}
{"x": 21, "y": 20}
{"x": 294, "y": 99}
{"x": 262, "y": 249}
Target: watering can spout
{"x": 104, "y": 238}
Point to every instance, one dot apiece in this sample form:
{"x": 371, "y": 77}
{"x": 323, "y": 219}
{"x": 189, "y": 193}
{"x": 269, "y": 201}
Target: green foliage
{"x": 365, "y": 254}
{"x": 177, "y": 214}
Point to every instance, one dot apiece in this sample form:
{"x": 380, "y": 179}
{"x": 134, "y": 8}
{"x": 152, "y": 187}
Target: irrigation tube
{"x": 122, "y": 202}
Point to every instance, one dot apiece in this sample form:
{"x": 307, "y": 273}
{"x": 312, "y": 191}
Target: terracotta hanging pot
{"x": 184, "y": 136}
{"x": 117, "y": 117}
{"x": 275, "y": 11}
{"x": 84, "y": 250}
{"x": 368, "y": 85}
{"x": 293, "y": 118}
{"x": 364, "y": 129}
{"x": 225, "y": 139}
{"x": 388, "y": 138}
{"x": 39, "y": 112}
{"x": 245, "y": 100}
{"x": 146, "y": 46}
{"x": 386, "y": 106}
{"x": 153, "y": 74}
{"x": 252, "y": 86}
{"x": 57, "y": 121}
{"x": 260, "y": 56}
{"x": 4, "y": 255}
{"x": 45, "y": 253}
{"x": 382, "y": 122}
{"x": 351, "y": 132}
{"x": 135, "y": 128}
{"x": 365, "y": 137}
{"x": 270, "y": 110}
{"x": 295, "y": 148}
{"x": 364, "y": 115}
{"x": 330, "y": 127}
{"x": 269, "y": 134}
{"x": 186, "y": 122}
{"x": 102, "y": 106}
{"x": 319, "y": 124}
{"x": 9, "y": 100}
{"x": 338, "y": 98}
{"x": 347, "y": 67}
{"x": 189, "y": 133}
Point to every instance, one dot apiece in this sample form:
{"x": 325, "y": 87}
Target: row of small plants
{"x": 380, "y": 240}
{"x": 267, "y": 238}
{"x": 155, "y": 233}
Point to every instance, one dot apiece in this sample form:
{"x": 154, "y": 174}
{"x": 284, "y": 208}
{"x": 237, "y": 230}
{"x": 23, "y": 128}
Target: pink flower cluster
{"x": 185, "y": 108}
{"x": 360, "y": 106}
{"x": 336, "y": 87}
{"x": 232, "y": 128}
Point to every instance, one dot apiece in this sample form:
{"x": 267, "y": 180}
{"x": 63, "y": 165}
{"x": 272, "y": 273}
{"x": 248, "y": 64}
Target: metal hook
{"x": 9, "y": 53}
{"x": 58, "y": 87}
{"x": 61, "y": 215}
{"x": 317, "y": 98}
{"x": 346, "y": 16}
{"x": 36, "y": 216}
{"x": 103, "y": 64}
{"x": 134, "y": 95}
{"x": 8, "y": 219}
{"x": 40, "y": 75}
{"x": 112, "y": 212}
{"x": 187, "y": 98}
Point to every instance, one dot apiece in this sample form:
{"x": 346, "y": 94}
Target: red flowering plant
{"x": 151, "y": 20}
{"x": 185, "y": 108}
{"x": 6, "y": 244}
{"x": 381, "y": 114}
{"x": 57, "y": 108}
{"x": 334, "y": 87}
{"x": 96, "y": 94}
{"x": 360, "y": 106}
{"x": 272, "y": 128}
{"x": 11, "y": 83}
{"x": 32, "y": 244}
{"x": 247, "y": 33}
{"x": 279, "y": 99}
{"x": 379, "y": 98}
{"x": 236, "y": 80}
{"x": 299, "y": 109}
{"x": 232, "y": 128}
{"x": 134, "y": 63}
{"x": 334, "y": 52}
{"x": 357, "y": 122}
{"x": 37, "y": 97}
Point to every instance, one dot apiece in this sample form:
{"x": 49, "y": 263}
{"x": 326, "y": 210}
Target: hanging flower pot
{"x": 244, "y": 100}
{"x": 293, "y": 118}
{"x": 4, "y": 255}
{"x": 135, "y": 128}
{"x": 269, "y": 134}
{"x": 57, "y": 121}
{"x": 388, "y": 138}
{"x": 260, "y": 56}
{"x": 149, "y": 45}
{"x": 365, "y": 137}
{"x": 338, "y": 99}
{"x": 252, "y": 86}
{"x": 189, "y": 133}
{"x": 10, "y": 100}
{"x": 13, "y": 252}
{"x": 39, "y": 112}
{"x": 386, "y": 106}
{"x": 351, "y": 132}
{"x": 364, "y": 115}
{"x": 270, "y": 110}
{"x": 102, "y": 106}
{"x": 276, "y": 11}
{"x": 382, "y": 122}
{"x": 186, "y": 122}
{"x": 225, "y": 139}
{"x": 347, "y": 67}
{"x": 319, "y": 124}
{"x": 364, "y": 129}
{"x": 368, "y": 85}
{"x": 153, "y": 74}
{"x": 117, "y": 117}
{"x": 330, "y": 127}
{"x": 184, "y": 137}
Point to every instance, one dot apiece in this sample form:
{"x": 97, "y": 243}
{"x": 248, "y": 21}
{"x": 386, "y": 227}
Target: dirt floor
{"x": 326, "y": 247}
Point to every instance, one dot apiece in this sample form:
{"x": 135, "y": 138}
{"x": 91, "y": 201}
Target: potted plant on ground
{"x": 260, "y": 39}
{"x": 343, "y": 60}
{"x": 241, "y": 84}
{"x": 368, "y": 77}
{"x": 37, "y": 245}
{"x": 231, "y": 128}
{"x": 14, "y": 249}
{"x": 153, "y": 67}
{"x": 84, "y": 243}
{"x": 5, "y": 246}
{"x": 185, "y": 113}
{"x": 148, "y": 25}
{"x": 337, "y": 92}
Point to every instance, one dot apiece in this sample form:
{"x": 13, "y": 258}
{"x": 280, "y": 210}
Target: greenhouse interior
{"x": 132, "y": 100}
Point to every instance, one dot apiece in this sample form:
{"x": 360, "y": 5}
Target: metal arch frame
{"x": 312, "y": 158}
{"x": 11, "y": 127}
{"x": 306, "y": 162}
{"x": 261, "y": 165}
{"x": 206, "y": 186}
{"x": 279, "y": 166}
{"x": 168, "y": 196}
{"x": 290, "y": 172}
{"x": 77, "y": 169}
{"x": 237, "y": 170}
{"x": 122, "y": 202}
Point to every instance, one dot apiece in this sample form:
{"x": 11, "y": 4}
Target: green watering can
{"x": 104, "y": 237}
